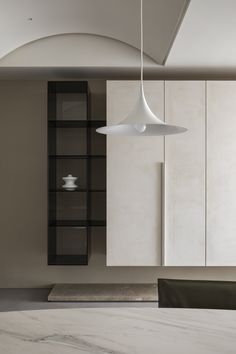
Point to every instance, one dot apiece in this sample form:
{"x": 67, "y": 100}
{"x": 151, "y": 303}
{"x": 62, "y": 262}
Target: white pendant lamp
{"x": 141, "y": 121}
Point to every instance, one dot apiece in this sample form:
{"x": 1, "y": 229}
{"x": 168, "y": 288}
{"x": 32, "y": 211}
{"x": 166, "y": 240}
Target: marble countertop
{"x": 118, "y": 331}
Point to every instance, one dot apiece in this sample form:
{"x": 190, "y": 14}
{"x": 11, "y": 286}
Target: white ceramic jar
{"x": 69, "y": 183}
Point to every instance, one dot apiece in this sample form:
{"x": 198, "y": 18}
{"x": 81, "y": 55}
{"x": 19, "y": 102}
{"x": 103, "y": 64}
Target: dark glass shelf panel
{"x": 76, "y": 223}
{"x": 76, "y": 123}
{"x": 68, "y": 260}
{"x": 77, "y": 190}
{"x": 77, "y": 157}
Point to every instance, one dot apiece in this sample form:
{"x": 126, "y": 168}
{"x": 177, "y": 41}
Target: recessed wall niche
{"x": 76, "y": 151}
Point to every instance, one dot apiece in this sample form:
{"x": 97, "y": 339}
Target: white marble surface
{"x": 118, "y": 331}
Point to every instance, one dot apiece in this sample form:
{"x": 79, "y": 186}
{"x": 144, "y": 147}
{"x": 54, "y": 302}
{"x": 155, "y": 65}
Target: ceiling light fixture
{"x": 141, "y": 121}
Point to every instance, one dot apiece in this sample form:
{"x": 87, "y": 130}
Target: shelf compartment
{"x": 71, "y": 106}
{"x": 98, "y": 142}
{"x": 98, "y": 174}
{"x": 68, "y": 141}
{"x": 59, "y": 168}
{"x": 98, "y": 206}
{"x": 67, "y": 260}
{"x": 71, "y": 206}
{"x": 71, "y": 241}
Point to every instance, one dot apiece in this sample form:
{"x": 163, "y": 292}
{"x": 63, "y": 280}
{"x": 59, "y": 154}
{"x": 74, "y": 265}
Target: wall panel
{"x": 184, "y": 240}
{"x": 221, "y": 173}
{"x": 133, "y": 181}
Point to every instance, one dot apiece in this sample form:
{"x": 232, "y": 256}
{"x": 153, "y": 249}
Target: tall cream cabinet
{"x": 221, "y": 173}
{"x": 184, "y": 229}
{"x": 172, "y": 201}
{"x": 134, "y": 181}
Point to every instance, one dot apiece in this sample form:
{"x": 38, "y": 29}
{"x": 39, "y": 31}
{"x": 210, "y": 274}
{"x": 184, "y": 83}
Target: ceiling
{"x": 25, "y": 21}
{"x": 207, "y": 36}
{"x": 193, "y": 39}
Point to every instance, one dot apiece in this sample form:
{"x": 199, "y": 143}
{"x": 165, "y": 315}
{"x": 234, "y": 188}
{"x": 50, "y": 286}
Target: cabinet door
{"x": 221, "y": 173}
{"x": 184, "y": 240}
{"x": 134, "y": 164}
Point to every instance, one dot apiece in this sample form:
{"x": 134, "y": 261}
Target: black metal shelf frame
{"x": 57, "y": 226}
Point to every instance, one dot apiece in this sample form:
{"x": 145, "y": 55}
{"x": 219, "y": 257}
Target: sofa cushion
{"x": 197, "y": 294}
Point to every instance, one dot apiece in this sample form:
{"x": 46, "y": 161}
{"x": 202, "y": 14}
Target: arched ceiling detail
{"x": 75, "y": 50}
{"x": 117, "y": 19}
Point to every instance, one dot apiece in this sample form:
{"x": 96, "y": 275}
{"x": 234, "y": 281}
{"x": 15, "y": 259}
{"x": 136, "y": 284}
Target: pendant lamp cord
{"x": 141, "y": 41}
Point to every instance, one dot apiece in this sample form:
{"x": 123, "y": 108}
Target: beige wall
{"x": 23, "y": 204}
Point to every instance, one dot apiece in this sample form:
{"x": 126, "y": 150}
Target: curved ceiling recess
{"x": 29, "y": 20}
{"x": 76, "y": 50}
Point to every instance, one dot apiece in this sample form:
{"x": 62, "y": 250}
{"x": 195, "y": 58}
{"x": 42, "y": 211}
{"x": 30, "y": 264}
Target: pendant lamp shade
{"x": 141, "y": 121}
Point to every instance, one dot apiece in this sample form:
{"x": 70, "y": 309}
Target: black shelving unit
{"x": 74, "y": 148}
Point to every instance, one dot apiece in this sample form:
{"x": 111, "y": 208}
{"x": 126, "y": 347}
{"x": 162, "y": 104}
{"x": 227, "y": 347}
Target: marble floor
{"x": 118, "y": 331}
